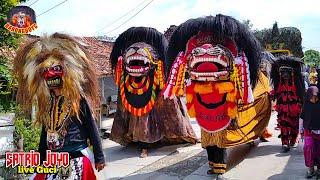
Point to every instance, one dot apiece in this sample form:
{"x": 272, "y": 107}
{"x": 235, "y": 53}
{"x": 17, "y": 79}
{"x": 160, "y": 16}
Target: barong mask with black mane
{"x": 212, "y": 59}
{"x": 49, "y": 63}
{"x": 139, "y": 68}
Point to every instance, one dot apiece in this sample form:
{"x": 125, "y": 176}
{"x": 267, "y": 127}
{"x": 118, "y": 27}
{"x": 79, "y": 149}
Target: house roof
{"x": 100, "y": 51}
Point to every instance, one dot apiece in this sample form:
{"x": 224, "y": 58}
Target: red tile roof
{"x": 100, "y": 52}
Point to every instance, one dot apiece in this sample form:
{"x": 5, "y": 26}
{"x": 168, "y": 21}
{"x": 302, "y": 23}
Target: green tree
{"x": 248, "y": 24}
{"x": 8, "y": 41}
{"x": 312, "y": 57}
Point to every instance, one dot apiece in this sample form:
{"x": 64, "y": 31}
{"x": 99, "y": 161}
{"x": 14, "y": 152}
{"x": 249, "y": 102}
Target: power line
{"x": 108, "y": 25}
{"x": 52, "y": 8}
{"x": 130, "y": 17}
{"x": 33, "y": 3}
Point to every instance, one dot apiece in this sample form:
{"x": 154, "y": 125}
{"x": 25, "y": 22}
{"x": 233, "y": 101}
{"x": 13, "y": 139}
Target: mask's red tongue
{"x": 135, "y": 67}
{"x": 207, "y": 67}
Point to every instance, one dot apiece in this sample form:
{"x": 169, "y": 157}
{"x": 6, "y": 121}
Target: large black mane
{"x": 222, "y": 27}
{"x": 138, "y": 34}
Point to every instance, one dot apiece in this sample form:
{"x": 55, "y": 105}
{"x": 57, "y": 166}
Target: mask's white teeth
{"x": 216, "y": 60}
{"x": 215, "y": 74}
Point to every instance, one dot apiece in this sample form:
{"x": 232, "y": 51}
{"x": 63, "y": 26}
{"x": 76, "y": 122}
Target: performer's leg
{"x": 294, "y": 135}
{"x": 285, "y": 130}
{"x": 211, "y": 155}
{"x": 308, "y": 154}
{"x": 219, "y": 162}
{"x": 317, "y": 152}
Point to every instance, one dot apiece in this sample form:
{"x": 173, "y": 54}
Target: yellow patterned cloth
{"x": 313, "y": 77}
{"x": 251, "y": 122}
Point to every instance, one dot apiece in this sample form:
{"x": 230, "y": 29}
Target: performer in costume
{"x": 56, "y": 76}
{"x": 265, "y": 67}
{"x": 215, "y": 61}
{"x": 142, "y": 115}
{"x": 288, "y": 90}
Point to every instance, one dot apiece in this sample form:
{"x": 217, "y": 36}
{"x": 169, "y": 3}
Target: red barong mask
{"x": 215, "y": 78}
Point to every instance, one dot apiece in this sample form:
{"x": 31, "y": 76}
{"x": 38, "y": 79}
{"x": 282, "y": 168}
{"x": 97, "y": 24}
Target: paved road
{"x": 263, "y": 161}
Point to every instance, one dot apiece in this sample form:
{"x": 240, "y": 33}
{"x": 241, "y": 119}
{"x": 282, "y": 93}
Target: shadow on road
{"x": 179, "y": 169}
{"x": 162, "y": 169}
{"x": 295, "y": 167}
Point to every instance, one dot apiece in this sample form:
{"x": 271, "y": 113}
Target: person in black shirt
{"x": 55, "y": 75}
{"x": 310, "y": 130}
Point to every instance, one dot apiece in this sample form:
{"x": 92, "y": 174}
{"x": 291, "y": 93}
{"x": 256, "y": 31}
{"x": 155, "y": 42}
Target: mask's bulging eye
{"x": 143, "y": 52}
{"x": 130, "y": 52}
{"x": 57, "y": 68}
{"x": 198, "y": 51}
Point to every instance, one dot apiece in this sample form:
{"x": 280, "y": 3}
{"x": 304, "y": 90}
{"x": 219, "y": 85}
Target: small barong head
{"x": 215, "y": 61}
{"x": 54, "y": 62}
{"x": 286, "y": 71}
{"x": 137, "y": 58}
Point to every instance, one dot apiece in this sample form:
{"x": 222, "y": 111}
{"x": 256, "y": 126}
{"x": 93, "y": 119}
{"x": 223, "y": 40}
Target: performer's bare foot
{"x": 144, "y": 153}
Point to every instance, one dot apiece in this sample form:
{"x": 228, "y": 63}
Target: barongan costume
{"x": 215, "y": 62}
{"x": 143, "y": 116}
{"x": 58, "y": 62}
{"x": 288, "y": 90}
{"x": 265, "y": 67}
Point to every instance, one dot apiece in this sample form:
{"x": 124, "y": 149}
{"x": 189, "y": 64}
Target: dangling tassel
{"x": 243, "y": 80}
{"x": 176, "y": 83}
{"x": 159, "y": 74}
{"x": 118, "y": 71}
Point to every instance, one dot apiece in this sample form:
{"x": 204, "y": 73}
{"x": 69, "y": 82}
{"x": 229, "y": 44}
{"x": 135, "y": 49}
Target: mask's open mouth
{"x": 208, "y": 68}
{"x": 54, "y": 82}
{"x": 219, "y": 101}
{"x": 137, "y": 65}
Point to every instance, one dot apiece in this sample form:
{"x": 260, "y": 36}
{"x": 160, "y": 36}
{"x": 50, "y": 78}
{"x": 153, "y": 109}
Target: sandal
{"x": 220, "y": 177}
{"x": 310, "y": 174}
{"x": 285, "y": 149}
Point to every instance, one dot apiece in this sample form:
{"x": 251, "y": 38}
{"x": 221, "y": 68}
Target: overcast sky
{"x": 86, "y": 17}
